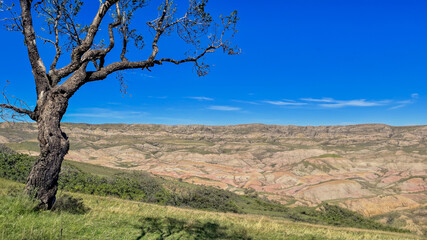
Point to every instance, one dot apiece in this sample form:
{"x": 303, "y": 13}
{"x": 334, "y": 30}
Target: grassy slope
{"x": 111, "y": 218}
{"x": 140, "y": 186}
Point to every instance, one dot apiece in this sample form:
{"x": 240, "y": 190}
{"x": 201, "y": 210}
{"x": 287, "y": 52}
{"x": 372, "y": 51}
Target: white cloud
{"x": 224, "y": 108}
{"x": 158, "y": 97}
{"x": 324, "y": 100}
{"x": 106, "y": 113}
{"x": 202, "y": 98}
{"x": 398, "y": 106}
{"x": 333, "y": 103}
{"x": 246, "y": 102}
{"x": 282, "y": 103}
{"x": 404, "y": 103}
{"x": 353, "y": 103}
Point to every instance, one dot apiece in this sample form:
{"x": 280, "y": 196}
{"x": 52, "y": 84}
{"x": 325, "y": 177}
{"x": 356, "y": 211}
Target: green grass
{"x": 141, "y": 186}
{"x": 28, "y": 146}
{"x": 398, "y": 219}
{"x": 126, "y": 164}
{"x": 112, "y": 218}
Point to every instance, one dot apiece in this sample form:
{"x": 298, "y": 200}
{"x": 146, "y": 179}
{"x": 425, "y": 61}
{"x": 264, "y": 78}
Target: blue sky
{"x": 302, "y": 63}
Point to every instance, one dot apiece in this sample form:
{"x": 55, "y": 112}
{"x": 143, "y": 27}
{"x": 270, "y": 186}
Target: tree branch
{"x": 56, "y": 43}
{"x": 17, "y": 110}
{"x": 124, "y": 30}
{"x": 95, "y": 54}
{"x": 159, "y": 31}
{"x": 190, "y": 59}
{"x": 39, "y": 69}
{"x": 114, "y": 67}
{"x": 123, "y": 65}
{"x": 78, "y": 52}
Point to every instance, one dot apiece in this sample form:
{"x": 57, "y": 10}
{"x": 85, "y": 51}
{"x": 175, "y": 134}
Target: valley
{"x": 377, "y": 170}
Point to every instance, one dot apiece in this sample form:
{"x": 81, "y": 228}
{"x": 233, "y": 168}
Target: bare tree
{"x": 62, "y": 30}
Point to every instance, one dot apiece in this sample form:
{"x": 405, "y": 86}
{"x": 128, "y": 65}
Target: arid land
{"x": 377, "y": 170}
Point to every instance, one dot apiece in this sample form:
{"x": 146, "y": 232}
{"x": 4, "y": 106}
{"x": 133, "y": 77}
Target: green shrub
{"x": 67, "y": 203}
{"x": 15, "y": 166}
{"x": 171, "y": 228}
{"x": 202, "y": 197}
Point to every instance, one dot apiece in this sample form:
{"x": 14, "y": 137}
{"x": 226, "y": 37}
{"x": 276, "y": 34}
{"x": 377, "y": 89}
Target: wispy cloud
{"x": 158, "y": 97}
{"x": 333, "y": 103}
{"x": 246, "y": 102}
{"x": 201, "y": 98}
{"x": 353, "y": 103}
{"x": 323, "y": 100}
{"x": 404, "y": 103}
{"x": 224, "y": 108}
{"x": 283, "y": 103}
{"x": 398, "y": 106}
{"x": 106, "y": 113}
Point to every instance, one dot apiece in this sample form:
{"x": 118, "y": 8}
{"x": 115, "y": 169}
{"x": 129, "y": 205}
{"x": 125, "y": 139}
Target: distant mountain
{"x": 373, "y": 169}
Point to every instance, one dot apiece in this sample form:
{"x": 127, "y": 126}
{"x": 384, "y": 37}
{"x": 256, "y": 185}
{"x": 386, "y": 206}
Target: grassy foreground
{"x": 112, "y": 218}
{"x": 144, "y": 187}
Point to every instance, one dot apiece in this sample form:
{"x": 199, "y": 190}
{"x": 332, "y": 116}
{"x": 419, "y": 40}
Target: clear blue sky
{"x": 303, "y": 62}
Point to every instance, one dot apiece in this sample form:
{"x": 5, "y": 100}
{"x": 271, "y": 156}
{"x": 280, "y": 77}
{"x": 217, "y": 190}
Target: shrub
{"x": 171, "y": 228}
{"x": 67, "y": 203}
{"x": 15, "y": 167}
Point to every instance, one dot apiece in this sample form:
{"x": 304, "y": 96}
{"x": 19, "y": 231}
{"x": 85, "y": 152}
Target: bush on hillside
{"x": 15, "y": 167}
{"x": 67, "y": 203}
{"x": 171, "y": 228}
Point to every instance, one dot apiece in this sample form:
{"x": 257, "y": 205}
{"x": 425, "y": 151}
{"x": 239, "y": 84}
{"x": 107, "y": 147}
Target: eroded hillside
{"x": 373, "y": 169}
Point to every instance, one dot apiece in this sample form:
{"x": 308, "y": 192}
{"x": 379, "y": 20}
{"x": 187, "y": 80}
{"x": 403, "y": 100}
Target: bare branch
{"x": 78, "y": 52}
{"x": 37, "y": 65}
{"x": 96, "y": 54}
{"x": 15, "y": 112}
{"x": 12, "y": 23}
{"x": 158, "y": 26}
{"x": 114, "y": 67}
{"x": 123, "y": 65}
{"x": 128, "y": 8}
{"x": 190, "y": 59}
{"x": 57, "y": 47}
{"x": 124, "y": 29}
{"x": 201, "y": 68}
{"x": 19, "y": 112}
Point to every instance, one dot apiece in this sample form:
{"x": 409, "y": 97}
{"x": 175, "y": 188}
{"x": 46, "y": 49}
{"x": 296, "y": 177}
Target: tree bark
{"x": 42, "y": 182}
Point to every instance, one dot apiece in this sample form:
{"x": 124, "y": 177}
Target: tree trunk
{"x": 42, "y": 182}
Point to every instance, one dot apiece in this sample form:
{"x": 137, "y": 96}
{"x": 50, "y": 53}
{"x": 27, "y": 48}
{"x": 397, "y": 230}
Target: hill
{"x": 374, "y": 169}
{"x": 112, "y": 218}
{"x": 144, "y": 187}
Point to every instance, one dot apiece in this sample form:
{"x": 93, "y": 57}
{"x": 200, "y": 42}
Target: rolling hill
{"x": 377, "y": 170}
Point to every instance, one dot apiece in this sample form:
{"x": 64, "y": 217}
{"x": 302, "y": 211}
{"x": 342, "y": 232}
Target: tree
{"x": 61, "y": 28}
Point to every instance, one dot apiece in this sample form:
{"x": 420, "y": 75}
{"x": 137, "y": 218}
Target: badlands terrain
{"x": 377, "y": 170}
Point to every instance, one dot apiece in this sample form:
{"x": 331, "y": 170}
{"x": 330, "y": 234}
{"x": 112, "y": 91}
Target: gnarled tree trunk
{"x": 43, "y": 179}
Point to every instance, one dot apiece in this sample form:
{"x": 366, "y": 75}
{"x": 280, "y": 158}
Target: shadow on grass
{"x": 170, "y": 228}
